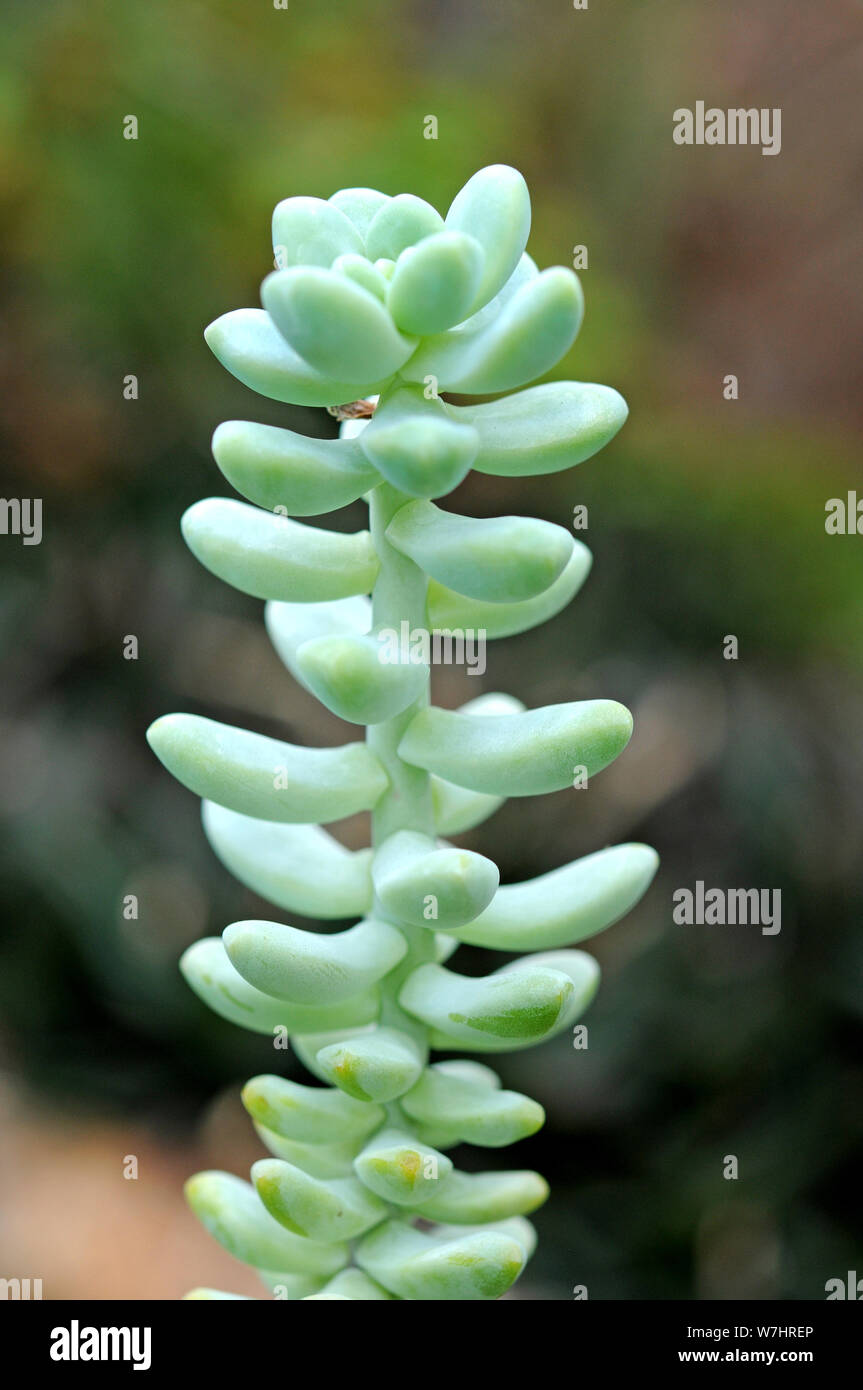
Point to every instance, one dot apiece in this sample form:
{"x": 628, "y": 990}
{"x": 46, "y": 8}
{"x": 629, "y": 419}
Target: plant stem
{"x": 399, "y": 596}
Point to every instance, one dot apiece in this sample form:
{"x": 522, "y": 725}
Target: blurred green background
{"x": 706, "y": 518}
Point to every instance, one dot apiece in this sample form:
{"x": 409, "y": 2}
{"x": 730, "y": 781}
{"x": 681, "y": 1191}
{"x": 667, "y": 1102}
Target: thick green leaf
{"x": 472, "y": 1198}
{"x": 520, "y": 1007}
{"x": 435, "y": 283}
{"x": 234, "y": 1215}
{"x": 413, "y": 443}
{"x": 352, "y": 1285}
{"x": 299, "y": 476}
{"x": 376, "y": 1066}
{"x": 502, "y": 559}
{"x": 307, "y": 1046}
{"x": 455, "y": 1097}
{"x": 208, "y": 971}
{"x": 248, "y": 344}
{"x": 582, "y": 973}
{"x": 401, "y": 1169}
{"x": 399, "y": 223}
{"x": 360, "y": 205}
{"x": 269, "y": 556}
{"x": 365, "y": 274}
{"x": 455, "y": 808}
{"x": 494, "y": 208}
{"x": 427, "y": 885}
{"x": 422, "y": 1266}
{"x": 544, "y": 429}
{"x": 339, "y": 328}
{"x": 567, "y": 905}
{"x": 308, "y": 231}
{"x": 448, "y": 610}
{"x": 524, "y": 754}
{"x": 357, "y": 678}
{"x": 308, "y": 1114}
{"x": 264, "y": 777}
{"x": 298, "y": 867}
{"x": 311, "y": 968}
{"x": 524, "y": 340}
{"x": 319, "y": 1160}
{"x": 340, "y": 1209}
{"x": 291, "y": 624}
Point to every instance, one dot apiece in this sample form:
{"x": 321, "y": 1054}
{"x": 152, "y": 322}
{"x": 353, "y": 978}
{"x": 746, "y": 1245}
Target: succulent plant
{"x": 378, "y": 296}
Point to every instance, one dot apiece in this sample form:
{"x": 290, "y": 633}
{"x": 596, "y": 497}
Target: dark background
{"x": 706, "y": 519}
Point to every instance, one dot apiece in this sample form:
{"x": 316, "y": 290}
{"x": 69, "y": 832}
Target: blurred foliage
{"x": 706, "y": 518}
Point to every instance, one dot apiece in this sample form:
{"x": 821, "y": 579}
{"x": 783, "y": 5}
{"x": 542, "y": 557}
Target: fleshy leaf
{"x": 248, "y": 344}
{"x": 277, "y": 468}
{"x": 307, "y": 1046}
{"x": 269, "y": 556}
{"x": 500, "y": 559}
{"x": 544, "y": 429}
{"x": 376, "y": 1066}
{"x": 208, "y": 971}
{"x": 300, "y": 868}
{"x": 524, "y": 340}
{"x": 324, "y": 1161}
{"x": 308, "y": 1114}
{"x": 416, "y": 446}
{"x": 354, "y": 1286}
{"x": 424, "y": 884}
{"x": 453, "y": 1096}
{"x": 360, "y": 205}
{"x": 524, "y": 754}
{"x": 582, "y": 972}
{"x": 356, "y": 679}
{"x": 309, "y": 231}
{"x": 365, "y": 274}
{"x": 567, "y": 905}
{"x": 232, "y": 1212}
{"x": 472, "y": 1198}
{"x": 401, "y": 1169}
{"x": 515, "y": 1007}
{"x": 263, "y": 777}
{"x": 400, "y": 223}
{"x": 494, "y": 208}
{"x": 435, "y": 283}
{"x": 339, "y": 328}
{"x": 289, "y": 625}
{"x": 457, "y": 809}
{"x": 448, "y": 610}
{"x": 414, "y": 1265}
{"x": 308, "y": 967}
{"x": 328, "y": 1211}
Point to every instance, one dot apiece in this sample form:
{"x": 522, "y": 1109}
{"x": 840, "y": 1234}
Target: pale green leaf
{"x": 524, "y": 754}
{"x": 263, "y": 777}
{"x": 269, "y": 556}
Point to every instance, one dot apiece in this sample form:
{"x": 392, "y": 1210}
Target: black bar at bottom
{"x": 259, "y": 1339}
